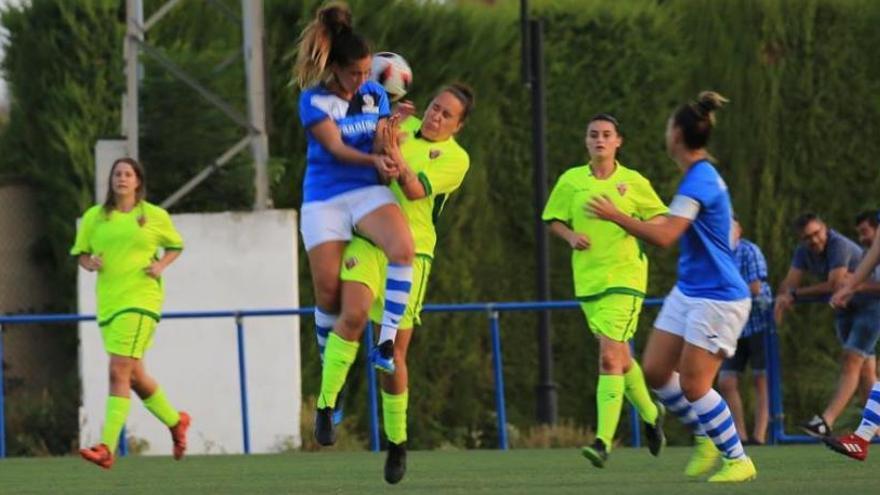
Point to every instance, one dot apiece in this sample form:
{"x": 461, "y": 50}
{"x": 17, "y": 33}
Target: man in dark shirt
{"x": 831, "y": 257}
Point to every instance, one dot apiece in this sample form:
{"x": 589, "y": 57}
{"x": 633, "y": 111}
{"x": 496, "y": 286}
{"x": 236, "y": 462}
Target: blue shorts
{"x": 858, "y": 330}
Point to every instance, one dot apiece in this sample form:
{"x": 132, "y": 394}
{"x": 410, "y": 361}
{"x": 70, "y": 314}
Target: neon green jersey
{"x": 614, "y": 262}
{"x": 127, "y": 244}
{"x": 441, "y": 167}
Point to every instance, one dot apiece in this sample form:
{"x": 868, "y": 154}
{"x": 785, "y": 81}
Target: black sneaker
{"x": 816, "y": 427}
{"x": 596, "y": 453}
{"x": 324, "y": 432}
{"x": 395, "y": 463}
{"x": 654, "y": 432}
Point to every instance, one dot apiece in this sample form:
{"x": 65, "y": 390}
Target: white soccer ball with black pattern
{"x": 393, "y": 73}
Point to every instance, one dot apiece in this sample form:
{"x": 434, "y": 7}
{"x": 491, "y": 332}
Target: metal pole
{"x": 500, "y": 408}
{"x": 252, "y": 21}
{"x": 546, "y": 388}
{"x": 242, "y": 383}
{"x": 133, "y": 33}
{"x": 774, "y": 387}
{"x": 371, "y": 391}
{"x": 2, "y": 402}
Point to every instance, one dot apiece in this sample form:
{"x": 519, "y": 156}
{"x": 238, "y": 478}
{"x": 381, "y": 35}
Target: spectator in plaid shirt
{"x": 750, "y": 347}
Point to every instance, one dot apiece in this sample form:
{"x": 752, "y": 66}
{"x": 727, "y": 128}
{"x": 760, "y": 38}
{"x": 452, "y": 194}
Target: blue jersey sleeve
{"x": 309, "y": 113}
{"x": 699, "y": 186}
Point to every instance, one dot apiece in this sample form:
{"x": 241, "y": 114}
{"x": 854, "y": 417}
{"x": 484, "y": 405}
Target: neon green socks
{"x": 394, "y": 416}
{"x": 160, "y": 407}
{"x": 637, "y": 393}
{"x": 609, "y": 401}
{"x": 338, "y": 357}
{"x": 114, "y": 420}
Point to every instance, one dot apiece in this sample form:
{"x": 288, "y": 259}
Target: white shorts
{"x": 334, "y": 219}
{"x": 707, "y": 323}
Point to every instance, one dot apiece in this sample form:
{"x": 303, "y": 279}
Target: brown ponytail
{"x": 696, "y": 120}
{"x": 465, "y": 95}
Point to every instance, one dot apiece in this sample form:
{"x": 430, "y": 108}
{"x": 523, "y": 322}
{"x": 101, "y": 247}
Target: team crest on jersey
{"x": 621, "y": 188}
{"x": 350, "y": 263}
{"x": 434, "y": 154}
{"x": 369, "y": 104}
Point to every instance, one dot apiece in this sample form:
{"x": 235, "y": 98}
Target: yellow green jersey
{"x": 127, "y": 243}
{"x": 441, "y": 168}
{"x": 614, "y": 263}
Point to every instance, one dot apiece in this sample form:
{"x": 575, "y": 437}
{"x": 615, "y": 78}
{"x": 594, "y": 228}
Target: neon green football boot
{"x": 704, "y": 457}
{"x": 735, "y": 470}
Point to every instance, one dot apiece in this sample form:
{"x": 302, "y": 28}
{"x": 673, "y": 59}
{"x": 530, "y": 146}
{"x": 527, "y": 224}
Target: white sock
{"x": 718, "y": 424}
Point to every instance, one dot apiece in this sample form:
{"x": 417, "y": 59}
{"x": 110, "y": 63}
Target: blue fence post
{"x": 371, "y": 391}
{"x": 501, "y": 411}
{"x": 2, "y": 402}
{"x": 635, "y": 421}
{"x": 774, "y": 385}
{"x": 242, "y": 383}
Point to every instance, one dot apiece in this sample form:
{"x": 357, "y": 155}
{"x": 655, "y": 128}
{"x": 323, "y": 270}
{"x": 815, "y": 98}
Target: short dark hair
{"x": 803, "y": 219}
{"x": 869, "y": 216}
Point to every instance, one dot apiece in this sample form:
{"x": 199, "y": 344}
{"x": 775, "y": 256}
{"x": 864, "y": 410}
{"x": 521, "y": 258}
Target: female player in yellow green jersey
{"x": 610, "y": 276}
{"x": 432, "y": 166}
{"x": 120, "y": 240}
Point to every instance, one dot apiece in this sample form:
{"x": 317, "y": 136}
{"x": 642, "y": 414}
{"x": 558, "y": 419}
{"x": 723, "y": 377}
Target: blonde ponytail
{"x": 316, "y": 43}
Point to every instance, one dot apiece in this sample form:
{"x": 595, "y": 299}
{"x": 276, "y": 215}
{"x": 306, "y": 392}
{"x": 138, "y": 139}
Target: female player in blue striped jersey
{"x": 704, "y": 314}
{"x": 343, "y": 113}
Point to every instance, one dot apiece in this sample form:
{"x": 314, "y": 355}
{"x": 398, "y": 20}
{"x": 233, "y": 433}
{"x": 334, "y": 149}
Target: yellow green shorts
{"x": 615, "y": 316}
{"x": 365, "y": 263}
{"x": 129, "y": 334}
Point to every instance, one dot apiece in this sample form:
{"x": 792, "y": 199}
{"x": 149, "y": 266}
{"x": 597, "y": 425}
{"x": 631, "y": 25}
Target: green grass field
{"x": 792, "y": 469}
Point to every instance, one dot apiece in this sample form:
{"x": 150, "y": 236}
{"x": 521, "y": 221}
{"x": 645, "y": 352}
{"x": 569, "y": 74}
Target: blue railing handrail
{"x": 491, "y": 309}
{"x": 308, "y": 310}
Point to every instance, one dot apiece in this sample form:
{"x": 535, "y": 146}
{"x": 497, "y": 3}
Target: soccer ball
{"x": 391, "y": 71}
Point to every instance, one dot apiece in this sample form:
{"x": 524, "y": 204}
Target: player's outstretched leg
{"x": 338, "y": 358}
{"x": 398, "y": 283}
{"x": 652, "y": 412}
{"x": 718, "y": 424}
{"x": 114, "y": 421}
{"x": 705, "y": 455}
{"x": 856, "y": 444}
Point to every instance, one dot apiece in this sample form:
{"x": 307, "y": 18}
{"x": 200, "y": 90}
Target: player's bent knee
{"x": 351, "y": 323}
{"x": 694, "y": 389}
{"x": 611, "y": 363}
{"x": 655, "y": 376}
{"x": 327, "y": 297}
{"x": 401, "y": 253}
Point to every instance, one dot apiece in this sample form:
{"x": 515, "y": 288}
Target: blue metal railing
{"x": 492, "y": 310}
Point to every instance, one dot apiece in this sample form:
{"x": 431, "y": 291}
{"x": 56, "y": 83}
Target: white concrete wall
{"x": 230, "y": 261}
